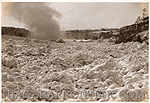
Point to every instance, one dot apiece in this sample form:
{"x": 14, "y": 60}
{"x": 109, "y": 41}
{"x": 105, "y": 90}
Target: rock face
{"x": 134, "y": 32}
{"x": 15, "y": 31}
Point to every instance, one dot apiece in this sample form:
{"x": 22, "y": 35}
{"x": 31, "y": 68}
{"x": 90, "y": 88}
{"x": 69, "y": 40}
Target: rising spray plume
{"x": 40, "y": 18}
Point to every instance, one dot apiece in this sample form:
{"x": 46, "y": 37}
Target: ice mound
{"x": 60, "y": 40}
{"x": 36, "y": 65}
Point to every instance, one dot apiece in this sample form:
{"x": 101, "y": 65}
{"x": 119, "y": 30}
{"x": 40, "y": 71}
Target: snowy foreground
{"x": 33, "y": 65}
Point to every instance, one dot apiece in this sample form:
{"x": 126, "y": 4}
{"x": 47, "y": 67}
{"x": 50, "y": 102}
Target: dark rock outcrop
{"x": 59, "y": 40}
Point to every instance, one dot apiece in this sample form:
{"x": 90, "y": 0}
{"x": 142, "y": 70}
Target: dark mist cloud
{"x": 38, "y": 17}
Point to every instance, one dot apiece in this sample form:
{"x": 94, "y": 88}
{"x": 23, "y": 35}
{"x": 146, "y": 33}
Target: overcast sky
{"x": 91, "y": 15}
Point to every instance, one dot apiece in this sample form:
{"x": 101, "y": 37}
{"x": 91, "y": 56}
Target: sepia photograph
{"x": 74, "y": 51}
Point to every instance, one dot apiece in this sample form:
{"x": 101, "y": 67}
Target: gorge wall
{"x": 15, "y": 31}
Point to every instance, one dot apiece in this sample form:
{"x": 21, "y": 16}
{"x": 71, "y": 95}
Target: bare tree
{"x": 144, "y": 13}
{"x": 138, "y": 20}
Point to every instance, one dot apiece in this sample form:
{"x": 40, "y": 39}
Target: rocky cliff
{"x": 15, "y": 31}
